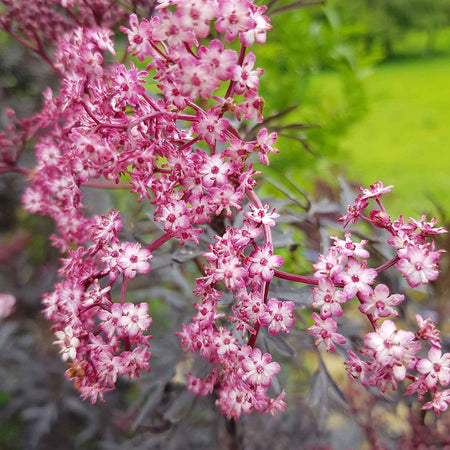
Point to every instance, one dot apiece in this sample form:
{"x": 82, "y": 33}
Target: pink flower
{"x": 275, "y": 405}
{"x": 211, "y": 128}
{"x": 375, "y": 190}
{"x": 231, "y": 272}
{"x": 259, "y": 370}
{"x": 418, "y": 264}
{"x": 264, "y": 145}
{"x": 225, "y": 343}
{"x": 356, "y": 368}
{"x": 259, "y": 30}
{"x": 134, "y": 259}
{"x": 195, "y": 15}
{"x": 428, "y": 331}
{"x": 134, "y": 320}
{"x": 106, "y": 227}
{"x": 350, "y": 248}
{"x": 393, "y": 348}
{"x": 68, "y": 343}
{"x": 379, "y": 303}
{"x": 219, "y": 61}
{"x": 440, "y": 402}
{"x": 233, "y": 16}
{"x": 215, "y": 171}
{"x": 262, "y": 215}
{"x": 354, "y": 211}
{"x": 436, "y": 368}
{"x": 427, "y": 228}
{"x": 262, "y": 262}
{"x": 330, "y": 265}
{"x": 245, "y": 77}
{"x": 234, "y": 400}
{"x": 325, "y": 331}
{"x": 138, "y": 37}
{"x": 175, "y": 216}
{"x": 357, "y": 278}
{"x": 277, "y": 316}
{"x": 328, "y": 299}
{"x": 110, "y": 319}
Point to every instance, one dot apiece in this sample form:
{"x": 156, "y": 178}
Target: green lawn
{"x": 404, "y": 139}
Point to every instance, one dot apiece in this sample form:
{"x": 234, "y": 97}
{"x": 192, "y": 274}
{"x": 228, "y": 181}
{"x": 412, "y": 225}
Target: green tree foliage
{"x": 303, "y": 45}
{"x": 385, "y": 22}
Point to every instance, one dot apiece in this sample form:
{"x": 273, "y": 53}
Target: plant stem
{"x": 160, "y": 241}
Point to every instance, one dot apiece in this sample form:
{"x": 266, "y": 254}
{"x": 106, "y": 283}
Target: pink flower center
{"x": 233, "y": 19}
{"x": 325, "y": 334}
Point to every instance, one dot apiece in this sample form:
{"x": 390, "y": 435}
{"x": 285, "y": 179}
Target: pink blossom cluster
{"x": 241, "y": 373}
{"x": 189, "y": 162}
{"x": 417, "y": 257}
{"x": 343, "y": 273}
{"x": 46, "y": 20}
{"x": 102, "y": 339}
{"x": 392, "y": 352}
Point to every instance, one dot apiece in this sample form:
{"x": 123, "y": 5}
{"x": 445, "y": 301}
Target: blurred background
{"x": 372, "y": 75}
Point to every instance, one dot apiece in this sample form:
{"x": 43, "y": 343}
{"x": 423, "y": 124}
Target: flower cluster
{"x": 343, "y": 274}
{"x": 100, "y": 338}
{"x": 242, "y": 372}
{"x": 189, "y": 162}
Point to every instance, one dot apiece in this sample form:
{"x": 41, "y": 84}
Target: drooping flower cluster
{"x": 100, "y": 338}
{"x": 189, "y": 162}
{"x": 390, "y": 352}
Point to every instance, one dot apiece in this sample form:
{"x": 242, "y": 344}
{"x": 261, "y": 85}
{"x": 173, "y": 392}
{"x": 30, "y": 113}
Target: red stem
{"x": 299, "y": 278}
{"x": 123, "y": 290}
{"x": 372, "y": 321}
{"x": 187, "y": 117}
{"x": 232, "y": 85}
{"x": 251, "y": 194}
{"x": 160, "y": 241}
{"x": 387, "y": 264}
{"x": 252, "y": 340}
{"x": 89, "y": 113}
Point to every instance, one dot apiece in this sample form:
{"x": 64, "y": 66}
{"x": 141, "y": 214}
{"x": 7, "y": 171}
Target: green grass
{"x": 404, "y": 139}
